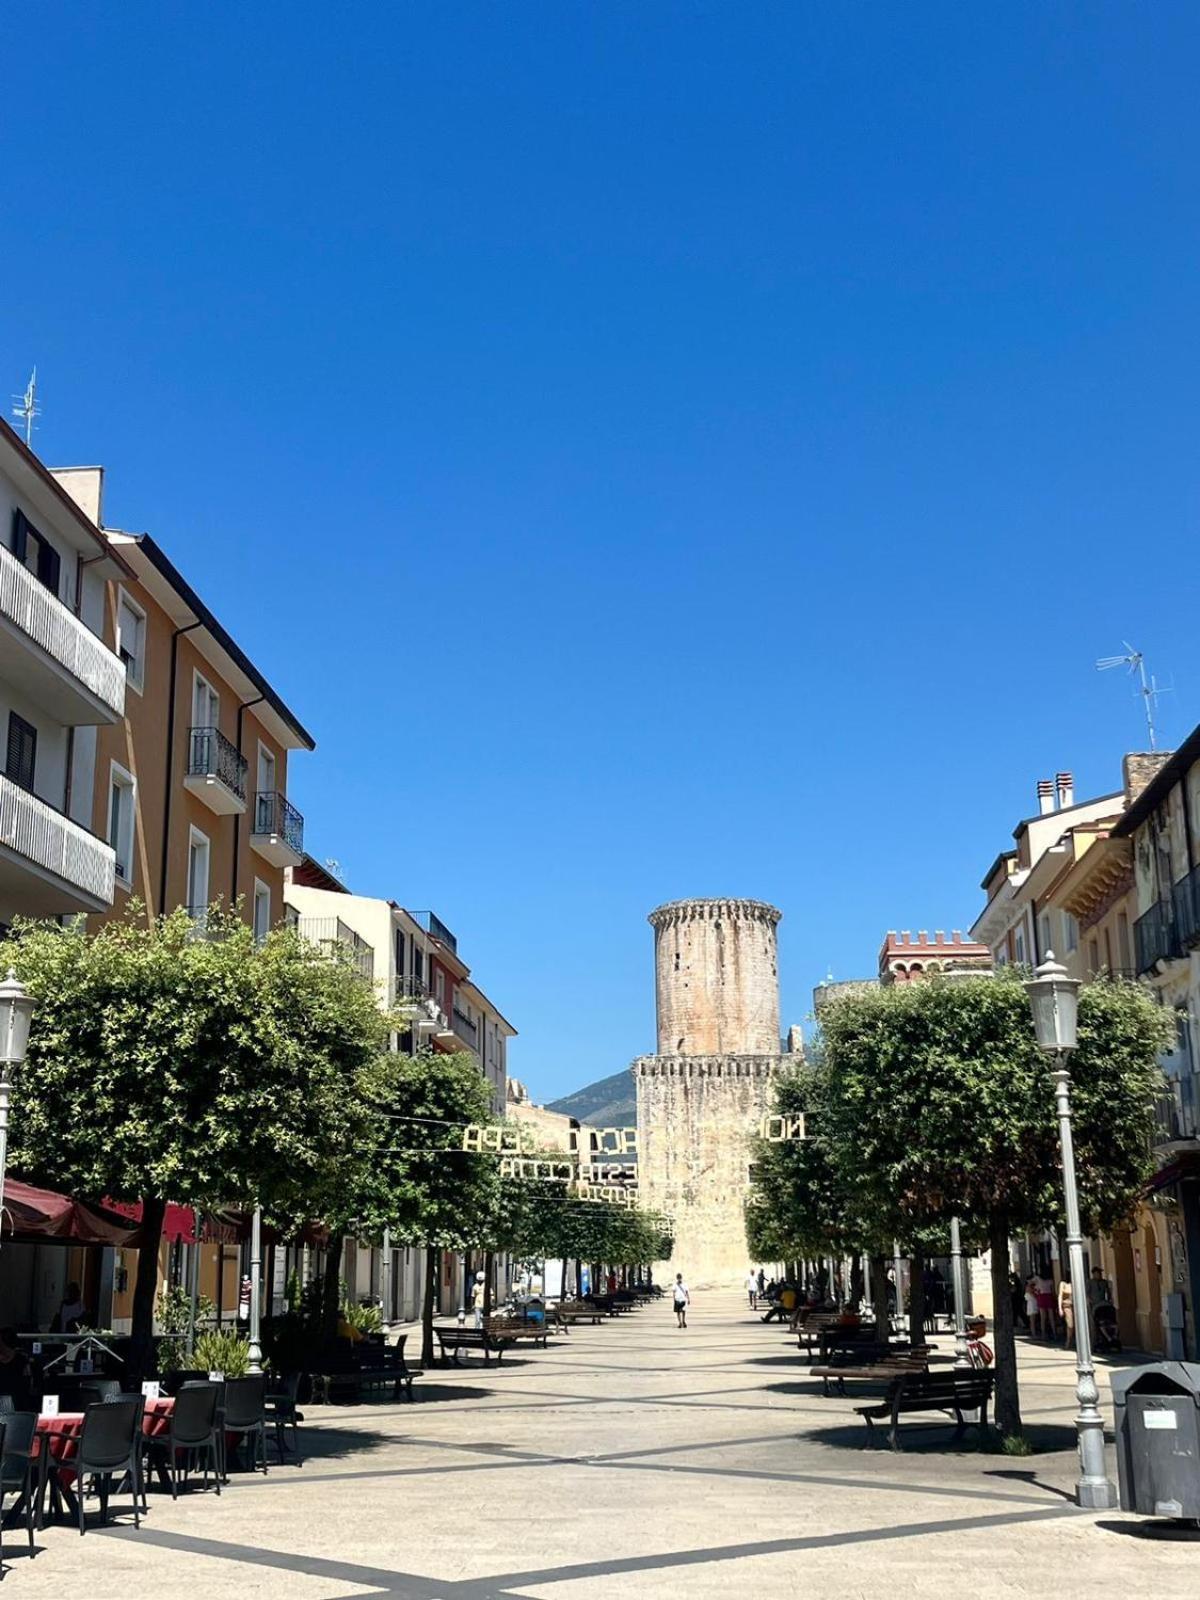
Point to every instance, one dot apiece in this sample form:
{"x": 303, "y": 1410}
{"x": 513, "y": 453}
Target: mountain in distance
{"x": 608, "y": 1103}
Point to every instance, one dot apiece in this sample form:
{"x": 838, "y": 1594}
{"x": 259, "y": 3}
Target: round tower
{"x": 716, "y": 978}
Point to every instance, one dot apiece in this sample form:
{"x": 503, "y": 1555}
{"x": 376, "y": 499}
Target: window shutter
{"x": 49, "y": 566}
{"x": 22, "y": 751}
{"x": 19, "y": 526}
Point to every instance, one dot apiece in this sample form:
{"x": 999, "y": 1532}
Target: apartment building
{"x": 411, "y": 958}
{"x": 191, "y": 782}
{"x": 60, "y": 684}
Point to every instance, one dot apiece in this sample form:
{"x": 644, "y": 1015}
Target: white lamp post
{"x": 962, "y": 1356}
{"x": 17, "y": 1006}
{"x": 255, "y": 1361}
{"x": 1054, "y": 999}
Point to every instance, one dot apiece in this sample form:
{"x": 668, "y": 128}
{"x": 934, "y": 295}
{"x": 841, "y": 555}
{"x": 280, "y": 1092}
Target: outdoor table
{"x": 56, "y": 1439}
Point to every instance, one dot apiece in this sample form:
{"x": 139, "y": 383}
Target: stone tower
{"x": 701, "y": 1096}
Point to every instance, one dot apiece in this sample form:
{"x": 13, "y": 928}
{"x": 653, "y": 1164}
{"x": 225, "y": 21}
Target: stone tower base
{"x": 696, "y": 1116}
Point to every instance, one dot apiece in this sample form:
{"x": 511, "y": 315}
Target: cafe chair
{"x": 111, "y": 1442}
{"x": 245, "y": 1415}
{"x": 16, "y": 1466}
{"x": 193, "y": 1431}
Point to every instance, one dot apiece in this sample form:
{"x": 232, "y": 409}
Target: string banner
{"x": 502, "y": 1139}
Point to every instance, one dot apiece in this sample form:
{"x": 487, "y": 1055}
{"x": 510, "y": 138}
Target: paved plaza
{"x": 630, "y": 1459}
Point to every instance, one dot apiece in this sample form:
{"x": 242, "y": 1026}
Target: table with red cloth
{"x": 57, "y": 1439}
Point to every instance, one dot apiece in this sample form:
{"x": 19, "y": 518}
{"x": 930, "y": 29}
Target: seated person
{"x": 14, "y": 1371}
{"x": 72, "y": 1312}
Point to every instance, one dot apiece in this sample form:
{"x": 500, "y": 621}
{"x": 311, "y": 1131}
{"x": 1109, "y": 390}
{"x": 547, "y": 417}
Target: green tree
{"x": 423, "y": 1185}
{"x": 206, "y": 1070}
{"x": 937, "y": 1101}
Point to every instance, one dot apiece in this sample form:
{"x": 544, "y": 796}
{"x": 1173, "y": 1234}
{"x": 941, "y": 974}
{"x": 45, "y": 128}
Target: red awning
{"x": 179, "y": 1226}
{"x": 39, "y": 1215}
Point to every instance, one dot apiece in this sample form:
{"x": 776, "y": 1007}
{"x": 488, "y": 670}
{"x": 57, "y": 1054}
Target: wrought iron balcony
{"x": 216, "y": 771}
{"x": 1185, "y": 902}
{"x": 1178, "y": 1111}
{"x": 466, "y": 1030}
{"x": 1154, "y": 936}
{"x": 278, "y": 829}
{"x": 54, "y": 657}
{"x": 409, "y": 988}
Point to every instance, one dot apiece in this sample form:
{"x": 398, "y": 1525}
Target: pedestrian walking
{"x": 762, "y": 1281}
{"x": 1031, "y": 1305}
{"x": 477, "y": 1298}
{"x": 682, "y": 1299}
{"x": 1066, "y": 1310}
{"x": 752, "y": 1289}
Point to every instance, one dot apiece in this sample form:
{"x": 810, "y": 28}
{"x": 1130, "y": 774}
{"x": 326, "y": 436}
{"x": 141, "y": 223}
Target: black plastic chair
{"x": 7, "y": 1405}
{"x": 174, "y": 1381}
{"x": 245, "y": 1415}
{"x": 111, "y": 1441}
{"x": 16, "y": 1465}
{"x": 97, "y": 1390}
{"x": 283, "y": 1413}
{"x": 193, "y": 1429}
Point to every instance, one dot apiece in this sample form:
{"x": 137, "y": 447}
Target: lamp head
{"x": 17, "y": 1006}
{"x": 1054, "y": 1000}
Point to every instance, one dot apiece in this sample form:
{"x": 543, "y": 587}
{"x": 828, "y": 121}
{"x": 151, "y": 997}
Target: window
{"x": 131, "y": 640}
{"x": 439, "y": 987}
{"x": 1070, "y": 931}
{"x": 262, "y": 911}
{"x": 1045, "y": 935}
{"x": 197, "y": 879}
{"x": 121, "y": 820}
{"x": 1019, "y": 948}
{"x": 1123, "y": 945}
{"x": 266, "y": 770}
{"x": 399, "y": 953}
{"x": 206, "y": 704}
{"x": 22, "y": 751}
{"x": 35, "y": 553}
{"x": 1093, "y": 958}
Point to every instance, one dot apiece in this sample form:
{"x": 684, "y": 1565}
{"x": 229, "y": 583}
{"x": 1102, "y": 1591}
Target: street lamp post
{"x": 1054, "y": 999}
{"x": 16, "y": 1009}
{"x": 255, "y": 1361}
{"x": 962, "y": 1356}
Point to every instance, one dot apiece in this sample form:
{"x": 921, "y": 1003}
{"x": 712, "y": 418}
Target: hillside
{"x": 607, "y": 1103}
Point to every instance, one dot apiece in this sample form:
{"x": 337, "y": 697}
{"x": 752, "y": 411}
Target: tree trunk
{"x": 331, "y": 1288}
{"x": 578, "y": 1278}
{"x": 879, "y": 1295}
{"x": 145, "y": 1292}
{"x": 562, "y": 1293}
{"x": 1008, "y": 1400}
{"x": 856, "y": 1283}
{"x": 916, "y": 1299}
{"x": 489, "y": 1267}
{"x": 433, "y": 1265}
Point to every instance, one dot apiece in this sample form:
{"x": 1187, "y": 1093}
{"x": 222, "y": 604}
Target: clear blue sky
{"x": 690, "y": 448}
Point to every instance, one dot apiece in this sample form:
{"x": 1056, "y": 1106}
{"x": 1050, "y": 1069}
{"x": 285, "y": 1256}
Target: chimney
{"x": 1045, "y": 796}
{"x": 1065, "y": 784}
{"x": 1140, "y": 768}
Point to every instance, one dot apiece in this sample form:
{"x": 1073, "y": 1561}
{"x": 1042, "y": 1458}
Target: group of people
{"x": 1047, "y": 1313}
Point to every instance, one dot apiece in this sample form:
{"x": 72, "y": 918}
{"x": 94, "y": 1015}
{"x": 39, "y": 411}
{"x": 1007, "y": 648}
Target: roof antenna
{"x": 1149, "y": 690}
{"x": 27, "y": 407}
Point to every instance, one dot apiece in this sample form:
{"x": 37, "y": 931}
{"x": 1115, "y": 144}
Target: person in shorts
{"x": 752, "y": 1289}
{"x": 682, "y": 1299}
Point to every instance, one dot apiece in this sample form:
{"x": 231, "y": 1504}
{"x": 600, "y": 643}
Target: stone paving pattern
{"x": 634, "y": 1459}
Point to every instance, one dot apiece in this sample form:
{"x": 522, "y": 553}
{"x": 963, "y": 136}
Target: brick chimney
{"x": 1045, "y": 796}
{"x": 1141, "y": 767}
{"x": 1064, "y": 783}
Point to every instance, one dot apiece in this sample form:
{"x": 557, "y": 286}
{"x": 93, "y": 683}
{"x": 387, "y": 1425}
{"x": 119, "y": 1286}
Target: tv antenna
{"x": 27, "y": 407}
{"x": 1149, "y": 690}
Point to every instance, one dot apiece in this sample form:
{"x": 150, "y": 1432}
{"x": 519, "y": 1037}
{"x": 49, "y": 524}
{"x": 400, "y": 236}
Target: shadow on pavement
{"x": 934, "y": 1438}
{"x": 1163, "y": 1532}
{"x": 430, "y": 1393}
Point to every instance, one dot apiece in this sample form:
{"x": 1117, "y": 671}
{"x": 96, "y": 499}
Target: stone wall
{"x": 695, "y": 1118}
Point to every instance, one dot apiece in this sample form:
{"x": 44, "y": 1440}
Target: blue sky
{"x": 690, "y": 448}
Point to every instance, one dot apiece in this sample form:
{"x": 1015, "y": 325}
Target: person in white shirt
{"x": 752, "y": 1289}
{"x": 682, "y": 1299}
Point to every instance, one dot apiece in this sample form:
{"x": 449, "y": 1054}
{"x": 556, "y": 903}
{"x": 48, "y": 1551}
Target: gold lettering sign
{"x": 500, "y": 1139}
{"x": 608, "y": 1141}
{"x": 608, "y": 1172}
{"x": 537, "y": 1171}
{"x": 781, "y": 1130}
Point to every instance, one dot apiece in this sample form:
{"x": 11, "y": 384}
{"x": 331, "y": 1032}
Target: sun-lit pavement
{"x": 634, "y": 1459}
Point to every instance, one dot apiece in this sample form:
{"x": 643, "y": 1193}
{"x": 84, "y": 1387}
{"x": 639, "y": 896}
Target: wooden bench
{"x": 571, "y": 1312}
{"x": 955, "y": 1392}
{"x": 381, "y": 1365}
{"x": 869, "y": 1364}
{"x": 454, "y": 1340}
{"x": 512, "y": 1330}
{"x": 822, "y": 1323}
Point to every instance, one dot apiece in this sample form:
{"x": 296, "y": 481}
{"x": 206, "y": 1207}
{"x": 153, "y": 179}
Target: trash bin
{"x": 1158, "y": 1438}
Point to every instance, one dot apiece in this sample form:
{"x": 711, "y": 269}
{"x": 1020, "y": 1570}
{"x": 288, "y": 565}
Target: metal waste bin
{"x": 1158, "y": 1438}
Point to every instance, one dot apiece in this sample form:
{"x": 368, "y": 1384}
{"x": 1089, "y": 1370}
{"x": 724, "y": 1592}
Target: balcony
{"x": 333, "y": 936}
{"x": 53, "y": 657}
{"x": 466, "y": 1030}
{"x": 277, "y": 832}
{"x": 216, "y": 771}
{"x": 1178, "y": 1112}
{"x": 48, "y": 863}
{"x": 1185, "y": 902}
{"x": 1154, "y": 937}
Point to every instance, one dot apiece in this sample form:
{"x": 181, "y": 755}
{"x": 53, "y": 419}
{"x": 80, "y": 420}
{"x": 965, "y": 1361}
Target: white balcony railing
{"x": 54, "y": 626}
{"x": 52, "y": 841}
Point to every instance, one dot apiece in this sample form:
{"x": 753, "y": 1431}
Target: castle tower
{"x": 716, "y": 978}
{"x": 700, "y": 1098}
